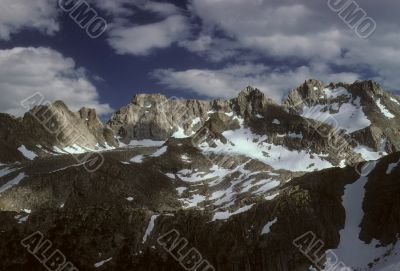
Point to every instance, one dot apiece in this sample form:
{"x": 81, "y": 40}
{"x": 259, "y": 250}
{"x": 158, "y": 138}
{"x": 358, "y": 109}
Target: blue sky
{"x": 189, "y": 48}
{"x": 117, "y": 77}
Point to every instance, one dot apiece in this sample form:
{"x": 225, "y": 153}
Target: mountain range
{"x": 311, "y": 183}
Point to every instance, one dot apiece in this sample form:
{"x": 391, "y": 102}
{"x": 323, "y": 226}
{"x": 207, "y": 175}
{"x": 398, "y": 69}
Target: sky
{"x": 190, "y": 48}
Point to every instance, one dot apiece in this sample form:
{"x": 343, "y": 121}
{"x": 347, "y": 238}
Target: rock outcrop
{"x": 155, "y": 117}
{"x": 47, "y": 127}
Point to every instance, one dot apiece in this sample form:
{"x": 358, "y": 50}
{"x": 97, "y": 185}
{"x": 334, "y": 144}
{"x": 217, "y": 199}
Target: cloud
{"x": 227, "y": 82}
{"x": 128, "y": 7}
{"x": 380, "y": 55}
{"x": 212, "y": 48}
{"x": 25, "y": 71}
{"x": 168, "y": 26}
{"x": 115, "y": 7}
{"x": 144, "y": 39}
{"x": 16, "y": 15}
{"x": 299, "y": 31}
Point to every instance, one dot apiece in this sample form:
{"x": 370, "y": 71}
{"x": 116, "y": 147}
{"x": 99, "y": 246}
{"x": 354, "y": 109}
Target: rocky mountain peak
{"x": 86, "y": 112}
{"x": 251, "y": 94}
{"x": 313, "y": 92}
{"x": 144, "y": 100}
{"x": 369, "y": 91}
{"x": 309, "y": 92}
{"x": 367, "y": 85}
{"x": 311, "y": 87}
{"x": 52, "y": 128}
{"x": 60, "y": 105}
{"x": 251, "y": 101}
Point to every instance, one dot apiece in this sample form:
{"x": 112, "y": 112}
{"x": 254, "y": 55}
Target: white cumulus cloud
{"x": 27, "y": 70}
{"x": 144, "y": 39}
{"x": 304, "y": 31}
{"x": 168, "y": 26}
{"x": 16, "y": 15}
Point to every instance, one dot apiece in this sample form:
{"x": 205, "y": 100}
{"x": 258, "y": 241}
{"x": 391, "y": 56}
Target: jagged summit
{"x": 250, "y": 90}
{"x": 311, "y": 89}
{"x": 148, "y": 99}
{"x": 363, "y": 110}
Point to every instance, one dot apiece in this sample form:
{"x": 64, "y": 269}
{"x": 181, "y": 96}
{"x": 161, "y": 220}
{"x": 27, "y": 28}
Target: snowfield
{"x": 243, "y": 142}
{"x": 347, "y": 116}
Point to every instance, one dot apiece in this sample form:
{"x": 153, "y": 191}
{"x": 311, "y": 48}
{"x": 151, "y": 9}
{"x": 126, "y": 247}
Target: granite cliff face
{"x": 245, "y": 181}
{"x": 155, "y": 117}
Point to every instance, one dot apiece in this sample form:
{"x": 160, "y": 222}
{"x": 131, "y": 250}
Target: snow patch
{"x": 295, "y": 135}
{"x": 384, "y": 110}
{"x": 77, "y": 149}
{"x": 150, "y": 228}
{"x": 196, "y": 121}
{"x": 97, "y": 265}
{"x": 170, "y": 175}
{"x": 267, "y": 228}
{"x": 74, "y": 149}
{"x": 271, "y": 197}
{"x": 160, "y": 152}
{"x": 394, "y": 100}
{"x": 191, "y": 176}
{"x": 180, "y": 190}
{"x": 226, "y": 215}
{"x": 146, "y": 143}
{"x": 369, "y": 154}
{"x": 391, "y": 167}
{"x": 267, "y": 186}
{"x": 5, "y": 172}
{"x": 12, "y": 183}
{"x": 349, "y": 117}
{"x": 185, "y": 158}
{"x": 193, "y": 201}
{"x": 180, "y": 133}
{"x": 27, "y": 153}
{"x": 71, "y": 166}
{"x": 137, "y": 159}
{"x": 21, "y": 218}
{"x": 276, "y": 121}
